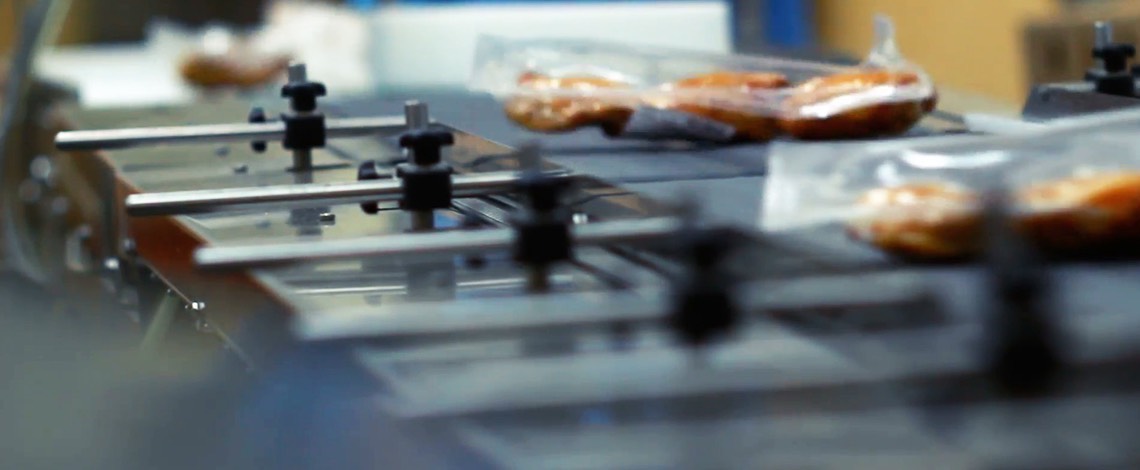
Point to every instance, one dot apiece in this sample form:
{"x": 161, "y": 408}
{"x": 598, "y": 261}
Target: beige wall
{"x": 970, "y": 45}
{"x": 75, "y": 27}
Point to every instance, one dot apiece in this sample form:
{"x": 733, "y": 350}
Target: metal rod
{"x": 160, "y": 323}
{"x": 242, "y": 257}
{"x": 565, "y": 312}
{"x": 423, "y": 221}
{"x": 466, "y": 319}
{"x": 1103, "y": 33}
{"x": 204, "y": 201}
{"x": 1102, "y": 38}
{"x": 302, "y": 160}
{"x": 302, "y": 157}
{"x": 143, "y": 136}
{"x": 538, "y": 279}
{"x": 401, "y": 288}
{"x": 416, "y": 114}
{"x": 298, "y": 73}
{"x": 422, "y": 244}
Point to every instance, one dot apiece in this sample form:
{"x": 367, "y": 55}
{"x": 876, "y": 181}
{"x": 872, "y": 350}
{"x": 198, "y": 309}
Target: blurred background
{"x": 983, "y": 54}
{"x": 991, "y": 51}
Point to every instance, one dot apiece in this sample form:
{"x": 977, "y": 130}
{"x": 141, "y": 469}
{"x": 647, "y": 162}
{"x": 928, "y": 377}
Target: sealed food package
{"x": 218, "y": 57}
{"x": 1087, "y": 199}
{"x": 330, "y": 40}
{"x": 650, "y": 93}
{"x": 1071, "y": 193}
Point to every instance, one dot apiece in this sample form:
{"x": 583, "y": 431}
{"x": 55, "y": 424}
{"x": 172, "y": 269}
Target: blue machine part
{"x": 789, "y": 23}
{"x": 786, "y": 23}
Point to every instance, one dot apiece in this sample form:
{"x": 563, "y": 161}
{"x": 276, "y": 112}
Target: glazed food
{"x": 726, "y": 97}
{"x": 554, "y": 113}
{"x": 940, "y": 221}
{"x": 1098, "y": 211}
{"x": 229, "y": 70}
{"x": 928, "y": 221}
{"x": 867, "y": 121}
{"x": 727, "y": 89}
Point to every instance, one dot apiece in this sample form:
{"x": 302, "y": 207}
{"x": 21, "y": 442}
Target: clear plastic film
{"x": 1072, "y": 192}
{"x": 332, "y": 41}
{"x": 218, "y": 56}
{"x": 644, "y": 92}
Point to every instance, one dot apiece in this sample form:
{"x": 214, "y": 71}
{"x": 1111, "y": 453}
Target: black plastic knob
{"x": 1115, "y": 56}
{"x": 703, "y": 311}
{"x": 426, "y": 145}
{"x": 303, "y": 95}
{"x": 704, "y": 307}
{"x": 367, "y": 171}
{"x": 257, "y": 115}
{"x": 542, "y": 193}
{"x": 1024, "y": 355}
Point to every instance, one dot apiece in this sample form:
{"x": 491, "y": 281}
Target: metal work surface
{"x": 835, "y": 356}
{"x": 727, "y": 180}
{"x": 167, "y": 243}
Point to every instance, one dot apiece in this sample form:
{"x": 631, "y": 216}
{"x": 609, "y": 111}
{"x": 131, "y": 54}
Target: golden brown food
{"x": 562, "y": 114}
{"x": 936, "y": 221}
{"x": 867, "y": 121}
{"x": 926, "y": 221}
{"x": 217, "y": 71}
{"x": 1082, "y": 213}
{"x": 742, "y": 81}
{"x": 729, "y": 89}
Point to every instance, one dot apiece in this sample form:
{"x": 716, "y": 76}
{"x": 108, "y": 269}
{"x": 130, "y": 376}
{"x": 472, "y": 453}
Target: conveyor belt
{"x": 728, "y": 179}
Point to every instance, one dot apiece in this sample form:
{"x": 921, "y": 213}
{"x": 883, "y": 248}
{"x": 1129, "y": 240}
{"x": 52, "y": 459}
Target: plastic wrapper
{"x": 332, "y": 41}
{"x": 644, "y": 92}
{"x": 219, "y": 57}
{"x": 1072, "y": 193}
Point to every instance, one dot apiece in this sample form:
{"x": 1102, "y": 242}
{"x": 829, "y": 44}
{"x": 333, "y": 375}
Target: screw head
{"x": 475, "y": 262}
{"x": 60, "y": 205}
{"x": 42, "y": 168}
{"x": 257, "y": 115}
{"x": 129, "y": 247}
{"x": 30, "y": 192}
{"x": 368, "y": 171}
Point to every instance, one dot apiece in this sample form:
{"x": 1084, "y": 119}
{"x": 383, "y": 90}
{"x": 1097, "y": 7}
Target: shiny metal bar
{"x": 298, "y": 72}
{"x": 403, "y": 288}
{"x": 538, "y": 279}
{"x": 245, "y": 257}
{"x": 302, "y": 160}
{"x": 416, "y": 114}
{"x": 1103, "y": 35}
{"x": 422, "y": 244}
{"x": 423, "y": 221}
{"x": 566, "y": 313}
{"x": 469, "y": 319}
{"x": 302, "y": 157}
{"x": 1102, "y": 38}
{"x": 204, "y": 201}
{"x": 143, "y": 136}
